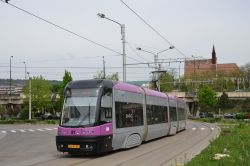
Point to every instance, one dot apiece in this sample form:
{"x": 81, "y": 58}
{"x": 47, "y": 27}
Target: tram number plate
{"x": 73, "y": 146}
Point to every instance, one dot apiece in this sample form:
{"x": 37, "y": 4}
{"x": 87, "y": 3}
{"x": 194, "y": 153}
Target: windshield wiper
{"x": 84, "y": 117}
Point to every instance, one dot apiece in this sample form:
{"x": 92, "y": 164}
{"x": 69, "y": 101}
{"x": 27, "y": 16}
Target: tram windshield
{"x": 80, "y": 108}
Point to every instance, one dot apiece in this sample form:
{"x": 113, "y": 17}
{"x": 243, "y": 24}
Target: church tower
{"x": 214, "y": 58}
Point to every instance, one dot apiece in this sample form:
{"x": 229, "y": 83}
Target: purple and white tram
{"x": 101, "y": 115}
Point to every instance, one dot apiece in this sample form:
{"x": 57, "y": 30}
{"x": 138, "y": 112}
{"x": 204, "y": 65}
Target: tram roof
{"x": 128, "y": 87}
{"x": 93, "y": 83}
{"x": 150, "y": 92}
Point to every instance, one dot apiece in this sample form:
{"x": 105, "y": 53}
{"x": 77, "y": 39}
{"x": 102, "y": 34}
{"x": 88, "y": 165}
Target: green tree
{"x": 246, "y": 70}
{"x": 113, "y": 76}
{"x": 246, "y": 105}
{"x": 224, "y": 102}
{"x": 55, "y": 88}
{"x": 66, "y": 79}
{"x": 206, "y": 98}
{"x": 40, "y": 94}
{"x": 24, "y": 113}
{"x": 57, "y": 104}
{"x": 99, "y": 75}
{"x": 166, "y": 82}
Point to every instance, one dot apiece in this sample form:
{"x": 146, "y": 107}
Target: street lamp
{"x": 156, "y": 61}
{"x": 29, "y": 95}
{"x": 104, "y": 73}
{"x": 123, "y": 43}
{"x": 155, "y": 54}
{"x": 25, "y": 71}
{"x": 10, "y": 74}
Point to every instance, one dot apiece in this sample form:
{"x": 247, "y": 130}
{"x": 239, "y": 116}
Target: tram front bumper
{"x": 84, "y": 145}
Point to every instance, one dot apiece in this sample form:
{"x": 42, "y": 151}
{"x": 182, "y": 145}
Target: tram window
{"x": 157, "y": 114}
{"x": 128, "y": 114}
{"x": 181, "y": 114}
{"x": 106, "y": 108}
{"x": 173, "y": 115}
{"x": 106, "y": 101}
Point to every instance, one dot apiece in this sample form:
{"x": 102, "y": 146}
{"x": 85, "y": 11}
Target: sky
{"x": 192, "y": 26}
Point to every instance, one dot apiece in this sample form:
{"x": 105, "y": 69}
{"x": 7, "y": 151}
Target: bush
{"x": 32, "y": 121}
{"x": 24, "y": 114}
{"x": 209, "y": 120}
{"x": 52, "y": 121}
{"x": 7, "y": 121}
{"x": 16, "y": 121}
{"x": 241, "y": 116}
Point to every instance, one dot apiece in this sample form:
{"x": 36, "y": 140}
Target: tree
{"x": 246, "y": 105}
{"x": 224, "y": 102}
{"x": 57, "y": 104}
{"x": 55, "y": 88}
{"x": 166, "y": 82}
{"x": 40, "y": 94}
{"x": 99, "y": 75}
{"x": 24, "y": 113}
{"x": 66, "y": 79}
{"x": 113, "y": 76}
{"x": 207, "y": 98}
{"x": 246, "y": 70}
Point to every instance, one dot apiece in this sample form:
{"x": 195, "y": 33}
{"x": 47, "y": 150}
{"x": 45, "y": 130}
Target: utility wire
{"x": 152, "y": 28}
{"x": 67, "y": 30}
{"x": 135, "y": 52}
{"x": 60, "y": 27}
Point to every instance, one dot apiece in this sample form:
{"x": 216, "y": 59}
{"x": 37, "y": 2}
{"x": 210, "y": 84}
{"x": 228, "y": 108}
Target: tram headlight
{"x": 107, "y": 129}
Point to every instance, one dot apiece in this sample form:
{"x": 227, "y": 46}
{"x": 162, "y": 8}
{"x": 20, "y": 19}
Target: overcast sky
{"x": 192, "y": 26}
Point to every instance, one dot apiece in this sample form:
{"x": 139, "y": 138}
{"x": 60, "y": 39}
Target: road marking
{"x": 212, "y": 128}
{"x": 202, "y": 128}
{"x": 48, "y": 129}
{"x": 40, "y": 129}
{"x": 193, "y": 128}
{"x": 26, "y": 130}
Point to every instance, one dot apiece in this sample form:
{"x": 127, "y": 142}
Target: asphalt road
{"x": 25, "y": 145}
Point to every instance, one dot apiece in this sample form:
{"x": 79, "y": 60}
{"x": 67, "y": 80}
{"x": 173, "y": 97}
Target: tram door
{"x": 173, "y": 120}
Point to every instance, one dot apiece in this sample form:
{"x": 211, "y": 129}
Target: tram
{"x": 99, "y": 116}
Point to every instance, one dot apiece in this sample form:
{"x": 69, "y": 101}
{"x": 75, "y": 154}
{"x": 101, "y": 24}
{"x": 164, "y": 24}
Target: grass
{"x": 234, "y": 141}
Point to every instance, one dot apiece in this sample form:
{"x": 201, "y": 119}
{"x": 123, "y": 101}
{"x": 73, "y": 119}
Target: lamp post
{"x": 29, "y": 95}
{"x": 104, "y": 73}
{"x": 123, "y": 43}
{"x": 25, "y": 70}
{"x": 10, "y": 74}
{"x": 179, "y": 75}
{"x": 156, "y": 55}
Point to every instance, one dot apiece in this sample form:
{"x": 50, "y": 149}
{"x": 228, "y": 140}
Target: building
{"x": 200, "y": 68}
{"x": 11, "y": 102}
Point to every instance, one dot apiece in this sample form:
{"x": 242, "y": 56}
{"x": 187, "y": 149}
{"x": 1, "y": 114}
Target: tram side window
{"x": 128, "y": 114}
{"x": 106, "y": 108}
{"x": 156, "y": 114}
{"x": 181, "y": 114}
{"x": 173, "y": 116}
